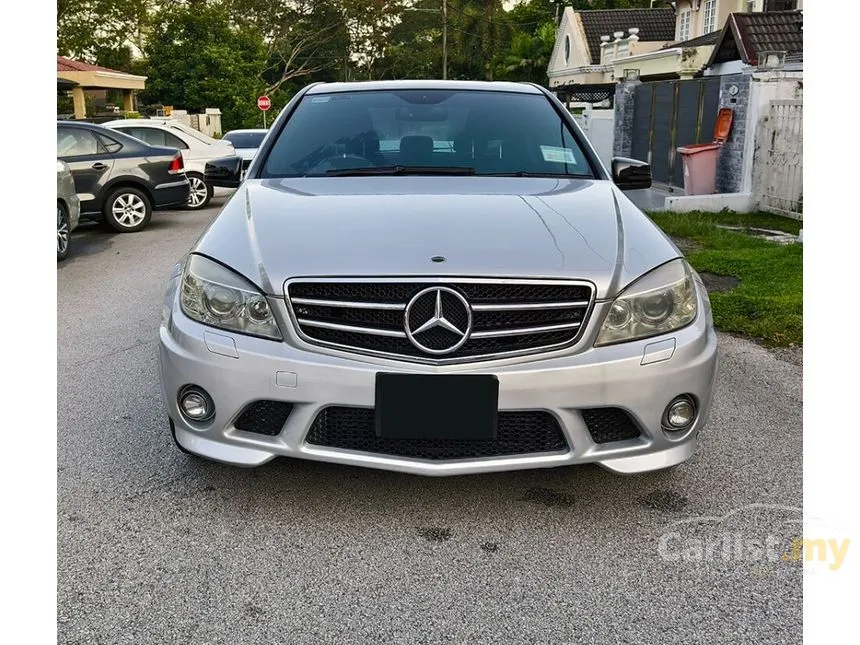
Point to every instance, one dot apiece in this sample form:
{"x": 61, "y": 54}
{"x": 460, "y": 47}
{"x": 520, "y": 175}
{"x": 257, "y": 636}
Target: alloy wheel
{"x": 198, "y": 192}
{"x": 128, "y": 210}
{"x": 62, "y": 232}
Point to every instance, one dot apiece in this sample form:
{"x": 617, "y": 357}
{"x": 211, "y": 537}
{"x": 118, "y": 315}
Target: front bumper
{"x": 237, "y": 370}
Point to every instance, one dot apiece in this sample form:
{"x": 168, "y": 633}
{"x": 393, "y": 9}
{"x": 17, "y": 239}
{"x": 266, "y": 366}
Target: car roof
{"x": 245, "y": 131}
{"x": 491, "y": 86}
{"x": 136, "y": 122}
{"x": 83, "y": 124}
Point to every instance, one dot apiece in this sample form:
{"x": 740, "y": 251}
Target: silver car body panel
{"x": 274, "y": 231}
{"x": 66, "y": 194}
{"x": 561, "y": 382}
{"x": 483, "y": 226}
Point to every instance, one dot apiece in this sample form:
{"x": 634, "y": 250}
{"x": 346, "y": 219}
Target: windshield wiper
{"x": 524, "y": 173}
{"x": 401, "y": 170}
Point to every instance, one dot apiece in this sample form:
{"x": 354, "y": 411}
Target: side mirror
{"x": 225, "y": 172}
{"x": 629, "y": 174}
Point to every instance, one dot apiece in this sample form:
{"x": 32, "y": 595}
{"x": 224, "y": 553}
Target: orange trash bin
{"x": 700, "y": 159}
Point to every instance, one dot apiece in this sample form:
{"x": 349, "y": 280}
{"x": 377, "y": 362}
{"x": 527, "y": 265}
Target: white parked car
{"x": 196, "y": 148}
{"x": 246, "y": 143}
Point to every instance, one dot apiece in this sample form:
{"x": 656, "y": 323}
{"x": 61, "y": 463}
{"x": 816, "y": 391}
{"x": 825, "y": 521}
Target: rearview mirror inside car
{"x": 225, "y": 172}
{"x": 630, "y": 174}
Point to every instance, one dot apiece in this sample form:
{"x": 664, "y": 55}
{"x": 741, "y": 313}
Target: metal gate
{"x": 782, "y": 176}
{"x": 669, "y": 114}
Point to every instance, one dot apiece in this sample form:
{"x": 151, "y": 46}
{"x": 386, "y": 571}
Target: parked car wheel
{"x": 200, "y": 193}
{"x": 63, "y": 232}
{"x": 127, "y": 210}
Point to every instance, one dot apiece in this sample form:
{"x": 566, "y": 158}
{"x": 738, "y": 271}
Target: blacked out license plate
{"x": 437, "y": 406}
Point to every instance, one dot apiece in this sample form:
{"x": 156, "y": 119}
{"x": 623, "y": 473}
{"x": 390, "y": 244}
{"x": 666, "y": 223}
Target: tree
{"x": 528, "y": 57}
{"x": 303, "y": 37}
{"x": 197, "y": 58}
{"x": 102, "y": 31}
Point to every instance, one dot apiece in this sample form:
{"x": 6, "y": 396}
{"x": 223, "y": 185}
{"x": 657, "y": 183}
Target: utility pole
{"x": 444, "y": 34}
{"x": 444, "y": 39}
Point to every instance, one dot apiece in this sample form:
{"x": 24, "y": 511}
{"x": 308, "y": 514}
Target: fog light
{"x": 680, "y": 414}
{"x": 195, "y": 404}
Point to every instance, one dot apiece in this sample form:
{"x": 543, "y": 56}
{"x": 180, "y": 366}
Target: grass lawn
{"x": 768, "y": 302}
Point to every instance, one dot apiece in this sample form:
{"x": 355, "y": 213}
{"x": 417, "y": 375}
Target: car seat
{"x": 416, "y": 150}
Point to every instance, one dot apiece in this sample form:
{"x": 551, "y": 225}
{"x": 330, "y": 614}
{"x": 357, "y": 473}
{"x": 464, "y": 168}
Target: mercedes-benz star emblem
{"x": 438, "y": 320}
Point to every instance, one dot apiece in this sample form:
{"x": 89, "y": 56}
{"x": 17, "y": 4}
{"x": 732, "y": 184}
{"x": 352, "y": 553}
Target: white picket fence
{"x": 781, "y": 136}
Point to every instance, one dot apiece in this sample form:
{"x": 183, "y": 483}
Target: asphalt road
{"x": 157, "y": 547}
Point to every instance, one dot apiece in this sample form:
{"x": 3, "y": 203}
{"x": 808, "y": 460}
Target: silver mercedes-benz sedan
{"x": 435, "y": 277}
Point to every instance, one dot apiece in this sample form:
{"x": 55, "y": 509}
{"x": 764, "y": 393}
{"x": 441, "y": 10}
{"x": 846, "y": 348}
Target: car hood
{"x": 275, "y": 229}
{"x": 246, "y": 153}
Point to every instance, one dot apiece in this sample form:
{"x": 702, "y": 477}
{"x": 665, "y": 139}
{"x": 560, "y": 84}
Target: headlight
{"x": 659, "y": 302}
{"x": 215, "y": 296}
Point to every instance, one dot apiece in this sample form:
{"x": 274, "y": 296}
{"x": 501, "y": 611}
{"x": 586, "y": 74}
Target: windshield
{"x": 245, "y": 139}
{"x": 480, "y": 132}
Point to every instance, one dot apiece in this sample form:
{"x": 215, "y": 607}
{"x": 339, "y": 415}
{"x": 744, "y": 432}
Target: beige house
{"x": 590, "y": 44}
{"x": 595, "y": 49}
{"x": 78, "y": 77}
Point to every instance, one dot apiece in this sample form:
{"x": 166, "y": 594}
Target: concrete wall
{"x": 734, "y": 94}
{"x": 622, "y": 145}
{"x": 561, "y": 71}
{"x": 208, "y": 123}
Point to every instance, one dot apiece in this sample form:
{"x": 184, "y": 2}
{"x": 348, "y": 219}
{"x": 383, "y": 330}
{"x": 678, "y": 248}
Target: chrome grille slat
{"x": 530, "y": 305}
{"x": 352, "y": 328}
{"x": 509, "y": 316}
{"x": 390, "y": 306}
{"x": 524, "y": 330}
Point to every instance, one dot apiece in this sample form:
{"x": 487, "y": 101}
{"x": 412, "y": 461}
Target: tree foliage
{"x": 102, "y": 31}
{"x": 195, "y": 58}
{"x": 225, "y": 53}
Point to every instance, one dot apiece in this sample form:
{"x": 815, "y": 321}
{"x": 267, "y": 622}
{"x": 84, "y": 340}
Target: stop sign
{"x": 264, "y": 103}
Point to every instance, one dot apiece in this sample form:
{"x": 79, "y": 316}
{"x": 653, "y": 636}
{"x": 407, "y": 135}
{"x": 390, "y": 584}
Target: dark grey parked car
{"x": 120, "y": 179}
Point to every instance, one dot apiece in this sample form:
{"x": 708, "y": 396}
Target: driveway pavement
{"x": 158, "y": 547}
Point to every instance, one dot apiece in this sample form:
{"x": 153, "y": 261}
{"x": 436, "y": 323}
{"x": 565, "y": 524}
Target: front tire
{"x": 64, "y": 232}
{"x": 127, "y": 210}
{"x": 200, "y": 192}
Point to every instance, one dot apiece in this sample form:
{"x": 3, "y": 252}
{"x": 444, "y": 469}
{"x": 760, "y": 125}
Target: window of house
{"x": 780, "y": 5}
{"x": 751, "y": 6}
{"x": 684, "y": 21}
{"x": 709, "y": 20}
{"x": 567, "y": 48}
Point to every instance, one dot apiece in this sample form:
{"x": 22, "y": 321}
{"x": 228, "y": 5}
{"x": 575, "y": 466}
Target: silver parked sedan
{"x": 68, "y": 209}
{"x": 435, "y": 277}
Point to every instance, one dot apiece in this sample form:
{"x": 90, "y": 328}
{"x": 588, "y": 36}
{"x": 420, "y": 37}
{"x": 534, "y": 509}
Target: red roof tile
{"x": 747, "y": 35}
{"x": 69, "y": 65}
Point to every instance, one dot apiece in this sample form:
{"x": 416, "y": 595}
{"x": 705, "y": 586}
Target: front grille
{"x": 507, "y": 317}
{"x": 609, "y": 424}
{"x": 519, "y": 433}
{"x": 264, "y": 417}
